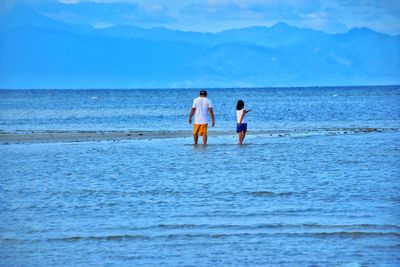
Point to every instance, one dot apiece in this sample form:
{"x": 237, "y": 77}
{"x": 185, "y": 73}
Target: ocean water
{"x": 301, "y": 200}
{"x": 168, "y": 109}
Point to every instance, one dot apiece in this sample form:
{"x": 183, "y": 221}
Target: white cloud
{"x": 102, "y": 25}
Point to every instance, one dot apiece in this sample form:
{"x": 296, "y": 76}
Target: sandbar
{"x": 50, "y": 136}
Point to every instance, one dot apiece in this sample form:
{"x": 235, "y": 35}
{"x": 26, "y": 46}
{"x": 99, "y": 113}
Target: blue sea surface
{"x": 329, "y": 199}
{"x": 168, "y": 109}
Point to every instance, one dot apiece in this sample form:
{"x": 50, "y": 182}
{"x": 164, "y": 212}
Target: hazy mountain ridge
{"x": 38, "y": 52}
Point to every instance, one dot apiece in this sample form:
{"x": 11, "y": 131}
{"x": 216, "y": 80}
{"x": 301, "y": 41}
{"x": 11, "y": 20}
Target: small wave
{"x": 182, "y": 226}
{"x": 366, "y": 226}
{"x": 216, "y": 235}
{"x": 395, "y": 246}
{"x": 139, "y": 237}
{"x": 310, "y": 226}
{"x": 356, "y": 234}
{"x": 218, "y": 214}
{"x": 307, "y": 234}
{"x": 221, "y": 226}
{"x": 94, "y": 238}
{"x": 226, "y": 235}
{"x": 269, "y": 193}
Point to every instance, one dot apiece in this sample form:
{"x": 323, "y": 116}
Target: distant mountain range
{"x": 39, "y": 52}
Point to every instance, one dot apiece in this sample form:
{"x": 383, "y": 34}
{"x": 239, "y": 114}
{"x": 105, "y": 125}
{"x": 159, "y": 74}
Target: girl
{"x": 241, "y": 127}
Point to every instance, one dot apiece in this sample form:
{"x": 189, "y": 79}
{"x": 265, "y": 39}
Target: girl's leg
{"x": 244, "y": 135}
{"x": 240, "y": 137}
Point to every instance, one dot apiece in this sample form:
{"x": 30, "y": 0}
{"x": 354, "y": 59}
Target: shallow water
{"x": 311, "y": 198}
{"x": 325, "y": 200}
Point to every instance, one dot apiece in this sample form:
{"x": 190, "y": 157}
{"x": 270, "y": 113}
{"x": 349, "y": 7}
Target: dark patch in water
{"x": 99, "y": 238}
{"x": 269, "y": 193}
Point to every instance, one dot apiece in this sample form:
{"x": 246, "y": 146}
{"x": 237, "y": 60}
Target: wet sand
{"x": 84, "y": 136}
{"x": 25, "y": 136}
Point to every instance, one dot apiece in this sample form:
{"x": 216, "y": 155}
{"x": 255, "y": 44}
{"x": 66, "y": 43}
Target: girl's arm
{"x": 244, "y": 113}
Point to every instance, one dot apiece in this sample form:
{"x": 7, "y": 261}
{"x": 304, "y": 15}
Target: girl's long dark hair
{"x": 240, "y": 105}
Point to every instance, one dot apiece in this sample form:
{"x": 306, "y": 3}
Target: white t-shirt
{"x": 239, "y": 115}
{"x": 201, "y": 104}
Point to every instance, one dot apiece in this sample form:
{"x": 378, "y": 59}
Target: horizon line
{"x": 199, "y": 88}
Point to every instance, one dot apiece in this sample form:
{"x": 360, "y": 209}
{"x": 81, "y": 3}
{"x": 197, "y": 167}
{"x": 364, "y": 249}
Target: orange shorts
{"x": 200, "y": 128}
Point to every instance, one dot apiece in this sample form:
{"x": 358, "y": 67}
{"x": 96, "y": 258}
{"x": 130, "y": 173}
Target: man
{"x": 202, "y": 111}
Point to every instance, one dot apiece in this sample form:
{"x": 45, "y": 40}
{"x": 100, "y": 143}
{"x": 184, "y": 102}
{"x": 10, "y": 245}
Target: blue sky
{"x": 216, "y": 15}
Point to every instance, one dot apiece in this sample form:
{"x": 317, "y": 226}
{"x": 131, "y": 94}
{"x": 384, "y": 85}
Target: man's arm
{"x": 191, "y": 114}
{"x": 212, "y": 116}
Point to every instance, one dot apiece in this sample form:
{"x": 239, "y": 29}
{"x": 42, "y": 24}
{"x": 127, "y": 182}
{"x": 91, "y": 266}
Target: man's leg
{"x": 203, "y": 132}
{"x": 196, "y": 129}
{"x": 204, "y": 139}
